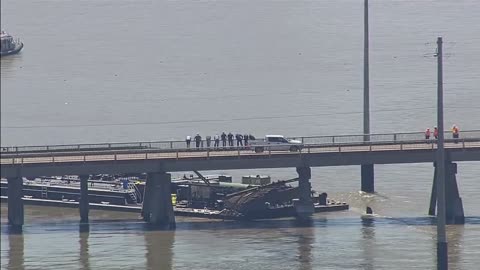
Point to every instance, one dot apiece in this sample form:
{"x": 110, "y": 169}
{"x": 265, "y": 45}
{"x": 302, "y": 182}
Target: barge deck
{"x": 179, "y": 211}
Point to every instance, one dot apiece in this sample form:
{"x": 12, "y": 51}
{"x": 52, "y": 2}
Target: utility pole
{"x": 366, "y": 82}
{"x": 367, "y": 171}
{"x": 442, "y": 248}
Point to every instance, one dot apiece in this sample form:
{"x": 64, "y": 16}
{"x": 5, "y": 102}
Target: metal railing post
{"x": 333, "y": 139}
{"x": 171, "y": 145}
{"x": 394, "y": 137}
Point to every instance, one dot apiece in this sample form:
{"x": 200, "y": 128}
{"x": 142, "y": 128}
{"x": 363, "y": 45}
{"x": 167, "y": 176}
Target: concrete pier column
{"x": 160, "y": 201}
{"x": 147, "y": 197}
{"x": 453, "y": 201}
{"x": 84, "y": 204}
{"x": 368, "y": 179}
{"x": 15, "y": 203}
{"x": 433, "y": 195}
{"x": 304, "y": 206}
{"x": 454, "y": 204}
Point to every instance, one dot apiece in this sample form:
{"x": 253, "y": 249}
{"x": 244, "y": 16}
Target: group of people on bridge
{"x": 230, "y": 138}
{"x": 455, "y": 133}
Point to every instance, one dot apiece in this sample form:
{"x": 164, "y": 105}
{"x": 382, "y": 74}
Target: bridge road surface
{"x": 170, "y": 160}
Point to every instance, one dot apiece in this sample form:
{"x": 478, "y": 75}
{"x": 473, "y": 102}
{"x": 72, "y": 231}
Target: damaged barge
{"x": 256, "y": 197}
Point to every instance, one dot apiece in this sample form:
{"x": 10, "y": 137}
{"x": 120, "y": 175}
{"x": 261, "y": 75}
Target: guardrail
{"x": 237, "y": 152}
{"x": 174, "y": 145}
{"x": 153, "y": 153}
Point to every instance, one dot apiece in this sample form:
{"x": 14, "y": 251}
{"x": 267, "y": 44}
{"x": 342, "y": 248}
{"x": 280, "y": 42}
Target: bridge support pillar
{"x": 15, "y": 203}
{"x": 453, "y": 201}
{"x": 84, "y": 203}
{"x": 157, "y": 205}
{"x": 147, "y": 197}
{"x": 304, "y": 206}
{"x": 368, "y": 179}
{"x": 433, "y": 195}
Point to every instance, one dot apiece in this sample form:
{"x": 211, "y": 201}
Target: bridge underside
{"x": 158, "y": 209}
{"x": 282, "y": 160}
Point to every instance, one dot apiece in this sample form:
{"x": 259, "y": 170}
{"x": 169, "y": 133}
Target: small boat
{"x": 9, "y": 45}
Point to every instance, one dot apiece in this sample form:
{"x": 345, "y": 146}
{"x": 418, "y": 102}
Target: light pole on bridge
{"x": 442, "y": 249}
{"x": 367, "y": 171}
{"x": 366, "y": 79}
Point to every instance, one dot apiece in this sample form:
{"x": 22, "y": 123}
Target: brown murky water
{"x": 96, "y": 71}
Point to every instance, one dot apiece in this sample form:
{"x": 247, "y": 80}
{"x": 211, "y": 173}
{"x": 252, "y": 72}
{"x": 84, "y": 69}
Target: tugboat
{"x": 9, "y": 45}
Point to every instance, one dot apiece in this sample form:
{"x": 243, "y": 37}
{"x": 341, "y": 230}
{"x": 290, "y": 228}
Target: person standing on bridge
{"x": 188, "y": 140}
{"x": 239, "y": 139}
{"x": 245, "y": 139}
{"x": 198, "y": 140}
{"x": 209, "y": 141}
{"x": 230, "y": 139}
{"x": 224, "y": 139}
{"x": 427, "y": 134}
{"x": 455, "y": 133}
{"x": 216, "y": 140}
{"x": 435, "y": 133}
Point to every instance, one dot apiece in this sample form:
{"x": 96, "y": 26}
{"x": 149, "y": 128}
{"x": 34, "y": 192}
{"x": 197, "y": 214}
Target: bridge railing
{"x": 382, "y": 138}
{"x": 207, "y": 153}
{"x": 335, "y": 140}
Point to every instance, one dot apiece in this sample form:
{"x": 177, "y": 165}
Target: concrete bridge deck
{"x": 174, "y": 156}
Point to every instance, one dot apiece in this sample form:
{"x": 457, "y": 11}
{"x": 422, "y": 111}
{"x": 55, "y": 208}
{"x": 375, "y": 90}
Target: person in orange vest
{"x": 455, "y": 133}
{"x": 435, "y": 133}
{"x": 427, "y": 134}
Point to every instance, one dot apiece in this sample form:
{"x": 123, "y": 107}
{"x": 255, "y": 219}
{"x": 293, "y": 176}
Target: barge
{"x": 202, "y": 196}
{"x": 67, "y": 188}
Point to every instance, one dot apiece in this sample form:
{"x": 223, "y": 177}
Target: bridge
{"x": 159, "y": 157}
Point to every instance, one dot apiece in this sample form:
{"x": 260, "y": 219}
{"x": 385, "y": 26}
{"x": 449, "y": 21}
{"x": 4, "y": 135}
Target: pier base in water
{"x": 304, "y": 206}
{"x": 453, "y": 201}
{"x": 368, "y": 178}
{"x": 15, "y": 203}
{"x": 147, "y": 196}
{"x": 157, "y": 205}
{"x": 84, "y": 203}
